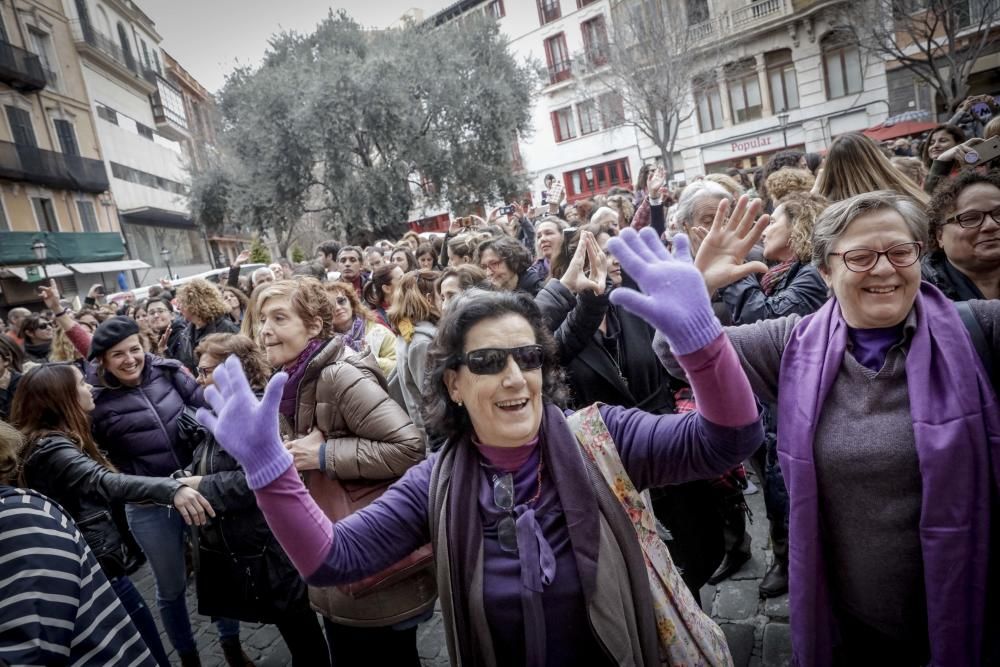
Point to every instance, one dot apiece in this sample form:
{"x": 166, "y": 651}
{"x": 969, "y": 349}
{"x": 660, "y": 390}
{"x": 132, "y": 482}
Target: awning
{"x": 109, "y": 267}
{"x": 54, "y": 271}
{"x": 157, "y": 217}
{"x": 884, "y": 132}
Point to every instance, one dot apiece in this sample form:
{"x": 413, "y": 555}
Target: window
{"x": 595, "y": 40}
{"x": 562, "y": 124}
{"x": 590, "y": 117}
{"x": 88, "y": 215}
{"x": 841, "y": 65}
{"x": 145, "y": 54}
{"x": 744, "y": 91}
{"x": 548, "y": 11}
{"x": 107, "y": 113}
{"x": 20, "y": 127}
{"x": 580, "y": 4}
{"x": 41, "y": 44}
{"x": 67, "y": 137}
{"x": 612, "y": 110}
{"x": 4, "y": 225}
{"x": 156, "y": 61}
{"x": 45, "y": 214}
{"x": 709, "y": 103}
{"x": 495, "y": 9}
{"x": 781, "y": 79}
{"x": 557, "y": 56}
{"x": 697, "y": 11}
{"x": 131, "y": 175}
{"x": 144, "y": 131}
{"x": 596, "y": 179}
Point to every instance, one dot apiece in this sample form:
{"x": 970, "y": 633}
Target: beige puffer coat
{"x": 368, "y": 437}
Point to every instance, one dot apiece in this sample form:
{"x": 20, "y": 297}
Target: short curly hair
{"x": 788, "y": 180}
{"x": 307, "y": 298}
{"x": 202, "y": 299}
{"x": 222, "y": 345}
{"x": 510, "y": 251}
{"x": 802, "y": 209}
{"x": 945, "y": 195}
{"x": 444, "y": 417}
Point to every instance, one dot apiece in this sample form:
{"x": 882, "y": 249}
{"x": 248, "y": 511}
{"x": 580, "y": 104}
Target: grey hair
{"x": 832, "y": 222}
{"x": 694, "y": 192}
{"x": 603, "y": 212}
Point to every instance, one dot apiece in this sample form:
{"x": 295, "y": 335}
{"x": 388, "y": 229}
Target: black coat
{"x": 238, "y": 534}
{"x": 93, "y": 495}
{"x": 184, "y": 351}
{"x": 938, "y": 271}
{"x": 801, "y": 291}
{"x": 7, "y": 395}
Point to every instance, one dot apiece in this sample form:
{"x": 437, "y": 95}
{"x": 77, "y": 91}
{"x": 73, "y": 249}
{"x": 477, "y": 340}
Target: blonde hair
{"x": 788, "y": 180}
{"x": 11, "y": 443}
{"x": 855, "y": 166}
{"x": 306, "y": 297}
{"x": 62, "y": 349}
{"x": 910, "y": 167}
{"x": 731, "y": 185}
{"x": 802, "y": 209}
{"x": 202, "y": 299}
{"x": 992, "y": 128}
{"x": 414, "y": 300}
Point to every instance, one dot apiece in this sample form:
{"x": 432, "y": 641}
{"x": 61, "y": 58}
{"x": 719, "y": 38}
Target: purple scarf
{"x": 355, "y": 338}
{"x": 296, "y": 370}
{"x": 956, "y": 424}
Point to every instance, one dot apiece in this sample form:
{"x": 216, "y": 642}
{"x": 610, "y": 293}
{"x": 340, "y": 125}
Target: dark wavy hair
{"x": 957, "y": 133}
{"x": 511, "y": 252}
{"x": 942, "y": 203}
{"x": 442, "y": 416}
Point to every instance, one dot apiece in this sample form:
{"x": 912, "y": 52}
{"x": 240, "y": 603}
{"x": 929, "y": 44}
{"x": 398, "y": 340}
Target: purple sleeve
{"x": 721, "y": 389}
{"x": 368, "y": 541}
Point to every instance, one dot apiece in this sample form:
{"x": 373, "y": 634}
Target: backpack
{"x": 980, "y": 343}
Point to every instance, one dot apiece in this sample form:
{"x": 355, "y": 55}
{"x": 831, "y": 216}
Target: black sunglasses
{"x": 492, "y": 360}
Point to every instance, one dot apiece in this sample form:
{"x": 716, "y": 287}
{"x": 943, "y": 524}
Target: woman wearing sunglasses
{"x": 350, "y": 442}
{"x": 888, "y": 432}
{"x": 536, "y": 562}
{"x": 37, "y": 334}
{"x": 359, "y": 328}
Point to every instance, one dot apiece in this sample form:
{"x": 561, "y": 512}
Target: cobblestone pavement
{"x": 757, "y": 629}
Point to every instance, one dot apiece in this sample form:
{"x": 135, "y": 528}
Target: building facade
{"x": 142, "y": 125}
{"x": 57, "y": 219}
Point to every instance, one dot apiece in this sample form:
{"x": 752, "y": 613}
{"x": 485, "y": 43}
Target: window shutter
{"x": 555, "y": 125}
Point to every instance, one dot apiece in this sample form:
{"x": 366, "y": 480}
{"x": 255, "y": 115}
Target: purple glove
{"x": 245, "y": 427}
{"x": 674, "y": 298}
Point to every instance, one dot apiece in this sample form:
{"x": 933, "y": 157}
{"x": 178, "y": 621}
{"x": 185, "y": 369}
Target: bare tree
{"x": 650, "y": 58}
{"x": 939, "y": 41}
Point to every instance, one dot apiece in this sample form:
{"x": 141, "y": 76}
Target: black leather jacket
{"x": 93, "y": 496}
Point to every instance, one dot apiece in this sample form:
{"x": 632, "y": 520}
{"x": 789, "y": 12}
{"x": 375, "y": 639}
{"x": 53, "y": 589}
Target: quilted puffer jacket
{"x": 368, "y": 437}
{"x": 138, "y": 425}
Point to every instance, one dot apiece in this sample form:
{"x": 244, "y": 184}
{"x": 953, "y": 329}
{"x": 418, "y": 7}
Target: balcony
{"x": 56, "y": 170}
{"x": 62, "y": 247}
{"x": 560, "y": 71}
{"x": 730, "y": 24}
{"x": 168, "y": 109}
{"x": 20, "y": 69}
{"x": 108, "y": 52}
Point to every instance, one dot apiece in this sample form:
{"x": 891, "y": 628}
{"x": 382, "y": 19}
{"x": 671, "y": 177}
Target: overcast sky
{"x": 209, "y": 37}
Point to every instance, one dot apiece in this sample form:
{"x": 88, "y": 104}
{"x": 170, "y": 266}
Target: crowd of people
{"x": 540, "y": 421}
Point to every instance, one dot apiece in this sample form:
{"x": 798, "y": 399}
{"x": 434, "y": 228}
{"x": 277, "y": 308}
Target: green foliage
{"x": 298, "y": 255}
{"x": 359, "y": 126}
{"x": 259, "y": 253}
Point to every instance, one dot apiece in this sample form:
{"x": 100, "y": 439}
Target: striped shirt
{"x": 56, "y": 605}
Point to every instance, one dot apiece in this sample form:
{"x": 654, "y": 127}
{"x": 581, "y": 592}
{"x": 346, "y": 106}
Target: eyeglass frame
{"x": 205, "y": 371}
{"x": 994, "y": 214}
{"x": 878, "y": 256}
{"x": 463, "y": 359}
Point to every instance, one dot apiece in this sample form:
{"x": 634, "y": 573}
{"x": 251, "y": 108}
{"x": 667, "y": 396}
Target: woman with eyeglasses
{"x": 964, "y": 261}
{"x": 349, "y": 441}
{"x": 888, "y": 433}
{"x": 37, "y": 334}
{"x": 360, "y": 330}
{"x": 536, "y": 561}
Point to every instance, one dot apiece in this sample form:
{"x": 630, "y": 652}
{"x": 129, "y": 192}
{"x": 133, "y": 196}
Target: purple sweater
{"x": 655, "y": 450}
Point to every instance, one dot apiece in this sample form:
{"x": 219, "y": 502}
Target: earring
{"x": 459, "y": 403}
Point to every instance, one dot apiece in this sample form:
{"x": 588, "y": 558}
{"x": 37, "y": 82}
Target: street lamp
{"x": 783, "y": 122}
{"x": 41, "y": 252}
{"x": 166, "y": 254}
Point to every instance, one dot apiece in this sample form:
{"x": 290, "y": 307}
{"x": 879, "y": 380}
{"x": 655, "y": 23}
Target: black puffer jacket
{"x": 184, "y": 350}
{"x": 938, "y": 271}
{"x": 93, "y": 496}
{"x": 799, "y": 292}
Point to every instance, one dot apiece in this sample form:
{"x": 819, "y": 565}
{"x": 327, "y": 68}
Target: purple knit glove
{"x": 245, "y": 427}
{"x": 674, "y": 298}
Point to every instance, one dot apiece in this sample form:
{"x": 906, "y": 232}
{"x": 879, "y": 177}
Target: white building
{"x": 781, "y": 61}
{"x": 141, "y": 123}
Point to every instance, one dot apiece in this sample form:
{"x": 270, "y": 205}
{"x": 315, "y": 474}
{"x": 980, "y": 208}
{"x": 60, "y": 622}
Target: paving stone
{"x": 753, "y": 568}
{"x": 777, "y": 608}
{"x": 740, "y": 638}
{"x": 736, "y": 600}
{"x": 777, "y": 645}
{"x": 707, "y": 594}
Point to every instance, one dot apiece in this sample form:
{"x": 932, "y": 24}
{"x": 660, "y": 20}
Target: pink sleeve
{"x": 296, "y": 520}
{"x": 80, "y": 338}
{"x": 721, "y": 389}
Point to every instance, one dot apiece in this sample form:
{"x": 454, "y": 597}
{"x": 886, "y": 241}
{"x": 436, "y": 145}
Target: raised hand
{"x": 656, "y": 182}
{"x": 245, "y": 427}
{"x": 50, "y": 295}
{"x": 576, "y": 279}
{"x": 242, "y": 258}
{"x": 673, "y": 297}
{"x": 722, "y": 251}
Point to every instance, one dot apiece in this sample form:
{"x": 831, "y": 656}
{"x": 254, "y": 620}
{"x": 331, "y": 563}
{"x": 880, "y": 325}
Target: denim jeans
{"x": 142, "y": 618}
{"x": 160, "y": 532}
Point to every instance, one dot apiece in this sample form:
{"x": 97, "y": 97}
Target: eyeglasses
{"x": 492, "y": 266}
{"x": 503, "y": 498}
{"x": 205, "y": 371}
{"x": 342, "y": 301}
{"x": 156, "y": 311}
{"x": 42, "y": 326}
{"x": 492, "y": 360}
{"x": 900, "y": 255}
{"x": 973, "y": 219}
